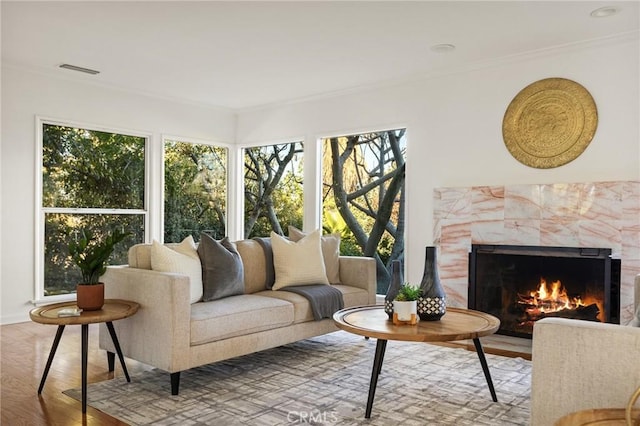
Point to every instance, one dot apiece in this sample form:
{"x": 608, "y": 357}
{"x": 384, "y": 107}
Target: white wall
{"x": 454, "y": 136}
{"x": 454, "y": 125}
{"x": 26, "y": 95}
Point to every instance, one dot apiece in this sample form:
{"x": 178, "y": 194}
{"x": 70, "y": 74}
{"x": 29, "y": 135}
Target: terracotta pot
{"x": 90, "y": 297}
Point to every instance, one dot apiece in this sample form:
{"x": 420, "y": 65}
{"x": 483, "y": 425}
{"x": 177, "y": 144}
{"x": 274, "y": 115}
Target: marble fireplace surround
{"x": 595, "y": 214}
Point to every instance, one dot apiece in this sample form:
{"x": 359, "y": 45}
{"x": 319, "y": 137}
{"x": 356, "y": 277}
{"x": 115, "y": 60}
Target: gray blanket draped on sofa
{"x": 324, "y": 299}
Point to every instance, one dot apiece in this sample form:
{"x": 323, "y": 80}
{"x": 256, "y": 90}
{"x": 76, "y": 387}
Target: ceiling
{"x": 241, "y": 54}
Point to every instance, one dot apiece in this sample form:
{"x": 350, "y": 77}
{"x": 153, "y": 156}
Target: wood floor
{"x": 24, "y": 349}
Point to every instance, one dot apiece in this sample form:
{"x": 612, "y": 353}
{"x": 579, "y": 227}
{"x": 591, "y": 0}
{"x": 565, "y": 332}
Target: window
{"x": 273, "y": 188}
{"x": 195, "y": 190}
{"x": 363, "y": 196}
{"x": 91, "y": 179}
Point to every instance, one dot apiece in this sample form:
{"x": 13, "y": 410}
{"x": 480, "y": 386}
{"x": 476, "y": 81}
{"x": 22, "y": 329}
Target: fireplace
{"x": 522, "y": 284}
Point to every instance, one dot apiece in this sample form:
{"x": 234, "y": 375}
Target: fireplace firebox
{"x": 523, "y": 284}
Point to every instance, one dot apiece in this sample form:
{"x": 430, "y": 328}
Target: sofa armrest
{"x": 579, "y": 365}
{"x": 158, "y": 334}
{"x": 359, "y": 271}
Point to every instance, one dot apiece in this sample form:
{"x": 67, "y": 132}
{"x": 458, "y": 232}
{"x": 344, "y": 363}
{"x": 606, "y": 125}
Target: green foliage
{"x": 88, "y": 168}
{"x": 385, "y": 247}
{"x": 349, "y": 246}
{"x": 91, "y": 255}
{"x": 333, "y": 223}
{"x": 195, "y": 190}
{"x": 408, "y": 293}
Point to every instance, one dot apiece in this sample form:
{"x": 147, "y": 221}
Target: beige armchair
{"x": 580, "y": 365}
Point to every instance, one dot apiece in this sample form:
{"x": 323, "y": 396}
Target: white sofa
{"x": 580, "y": 365}
{"x": 170, "y": 333}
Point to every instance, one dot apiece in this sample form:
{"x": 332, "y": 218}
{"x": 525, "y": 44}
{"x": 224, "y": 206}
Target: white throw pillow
{"x": 298, "y": 263}
{"x": 182, "y": 259}
{"x": 330, "y": 245}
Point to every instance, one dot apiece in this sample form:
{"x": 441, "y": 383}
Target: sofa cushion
{"x": 352, "y": 296}
{"x": 330, "y": 245}
{"x": 182, "y": 259}
{"x": 301, "y": 307}
{"x": 222, "y": 270}
{"x": 236, "y": 316}
{"x": 298, "y": 263}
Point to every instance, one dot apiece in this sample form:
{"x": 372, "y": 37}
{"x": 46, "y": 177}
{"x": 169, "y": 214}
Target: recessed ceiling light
{"x": 604, "y": 12}
{"x": 81, "y": 69}
{"x": 443, "y": 48}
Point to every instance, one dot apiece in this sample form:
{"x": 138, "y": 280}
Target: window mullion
{"x": 88, "y": 210}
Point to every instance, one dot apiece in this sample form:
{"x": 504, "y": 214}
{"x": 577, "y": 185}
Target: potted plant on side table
{"x": 91, "y": 256}
{"x": 405, "y": 308}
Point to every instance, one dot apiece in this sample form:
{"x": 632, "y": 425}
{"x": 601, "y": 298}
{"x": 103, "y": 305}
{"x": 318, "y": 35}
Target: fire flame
{"x": 551, "y": 300}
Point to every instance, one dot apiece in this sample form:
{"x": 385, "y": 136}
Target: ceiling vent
{"x": 80, "y": 69}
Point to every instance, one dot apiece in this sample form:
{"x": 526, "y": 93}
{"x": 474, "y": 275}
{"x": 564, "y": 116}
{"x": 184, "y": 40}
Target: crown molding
{"x": 617, "y": 39}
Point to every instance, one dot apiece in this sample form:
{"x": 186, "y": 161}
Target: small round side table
{"x": 113, "y": 309}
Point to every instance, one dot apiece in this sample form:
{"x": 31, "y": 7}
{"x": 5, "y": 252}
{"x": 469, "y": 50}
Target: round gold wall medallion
{"x": 549, "y": 123}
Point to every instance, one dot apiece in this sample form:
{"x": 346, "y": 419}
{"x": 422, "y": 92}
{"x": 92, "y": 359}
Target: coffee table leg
{"x": 485, "y": 368}
{"x": 85, "y": 347}
{"x": 114, "y": 338}
{"x": 381, "y": 345}
{"x": 56, "y": 341}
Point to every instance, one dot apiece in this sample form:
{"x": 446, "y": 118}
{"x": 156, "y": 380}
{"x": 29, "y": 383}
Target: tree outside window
{"x": 273, "y": 188}
{"x": 363, "y": 196}
{"x": 195, "y": 190}
{"x": 90, "y": 179}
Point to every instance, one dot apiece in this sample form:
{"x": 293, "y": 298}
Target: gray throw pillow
{"x": 265, "y": 243}
{"x": 222, "y": 269}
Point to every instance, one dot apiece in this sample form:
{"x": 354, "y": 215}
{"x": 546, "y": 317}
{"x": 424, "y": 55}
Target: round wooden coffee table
{"x": 599, "y": 417}
{"x": 113, "y": 309}
{"x": 456, "y": 324}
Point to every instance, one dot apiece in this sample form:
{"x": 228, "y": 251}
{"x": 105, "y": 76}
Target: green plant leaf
{"x": 408, "y": 293}
{"x": 91, "y": 255}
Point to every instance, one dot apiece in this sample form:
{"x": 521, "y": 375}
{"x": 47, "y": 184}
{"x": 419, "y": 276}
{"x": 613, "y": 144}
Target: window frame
{"x": 42, "y": 211}
{"x": 153, "y": 211}
{"x": 359, "y": 131}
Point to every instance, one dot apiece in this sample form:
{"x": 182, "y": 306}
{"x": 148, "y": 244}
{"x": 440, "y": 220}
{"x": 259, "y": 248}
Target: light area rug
{"x": 325, "y": 381}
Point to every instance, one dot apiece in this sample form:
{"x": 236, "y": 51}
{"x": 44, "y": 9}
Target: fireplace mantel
{"x": 596, "y": 214}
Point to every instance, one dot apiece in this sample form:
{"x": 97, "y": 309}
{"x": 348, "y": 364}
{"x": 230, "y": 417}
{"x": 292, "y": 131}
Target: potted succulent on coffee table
{"x": 405, "y": 308}
{"x": 91, "y": 256}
